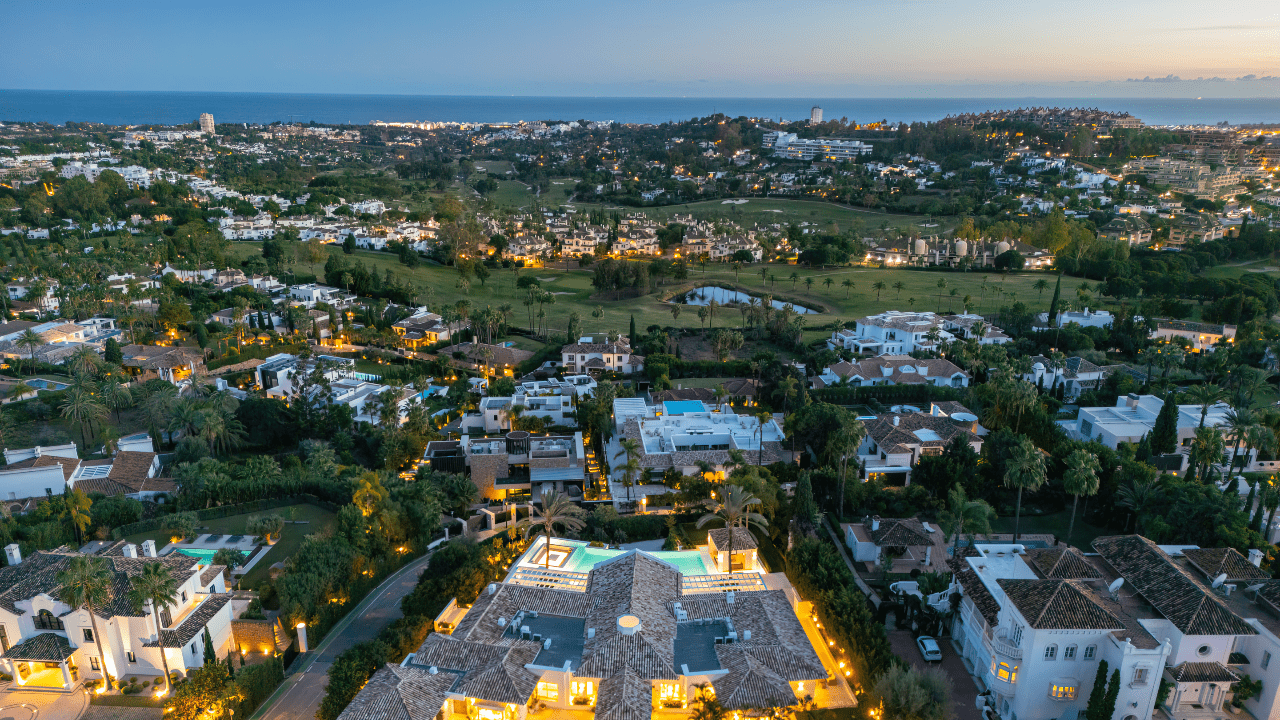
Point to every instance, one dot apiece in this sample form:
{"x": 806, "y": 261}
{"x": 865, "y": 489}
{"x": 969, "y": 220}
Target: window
{"x": 1063, "y": 690}
{"x": 1017, "y": 636}
{"x": 93, "y": 663}
{"x": 1140, "y": 676}
{"x": 184, "y": 596}
{"x": 1266, "y": 656}
{"x": 1051, "y": 652}
{"x": 1069, "y": 652}
{"x": 132, "y": 658}
{"x": 88, "y": 634}
{"x": 165, "y": 618}
{"x": 1006, "y": 672}
{"x": 1203, "y": 650}
{"x": 45, "y": 620}
{"x": 1090, "y": 651}
{"x": 4, "y": 640}
{"x": 548, "y": 691}
{"x": 193, "y": 649}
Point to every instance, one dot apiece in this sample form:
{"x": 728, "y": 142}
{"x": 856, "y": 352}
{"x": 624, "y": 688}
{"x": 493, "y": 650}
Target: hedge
{"x": 257, "y": 682}
{"x": 886, "y": 394}
{"x": 158, "y": 523}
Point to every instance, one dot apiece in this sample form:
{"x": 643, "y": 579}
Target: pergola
{"x": 46, "y": 648}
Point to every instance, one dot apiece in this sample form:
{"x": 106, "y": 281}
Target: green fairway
{"x": 1267, "y": 266}
{"x": 310, "y": 519}
{"x": 574, "y": 293}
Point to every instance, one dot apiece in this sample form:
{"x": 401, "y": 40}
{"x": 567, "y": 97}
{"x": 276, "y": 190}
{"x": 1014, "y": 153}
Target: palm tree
{"x": 735, "y": 510}
{"x": 962, "y": 513}
{"x": 765, "y": 417}
{"x": 1205, "y": 396}
{"x": 84, "y": 409}
{"x": 828, "y": 283}
{"x": 30, "y": 340}
{"x": 1239, "y": 423}
{"x": 793, "y": 278}
{"x": 83, "y": 361}
{"x": 899, "y": 286}
{"x": 156, "y": 587}
{"x": 675, "y": 312}
{"x": 848, "y": 286}
{"x": 86, "y": 584}
{"x": 558, "y": 510}
{"x": 631, "y": 451}
{"x": 1207, "y": 448}
{"x": 879, "y": 287}
{"x": 78, "y": 504}
{"x": 1041, "y": 285}
{"x": 116, "y": 396}
{"x": 1023, "y": 471}
{"x": 1081, "y": 478}
{"x": 942, "y": 285}
{"x": 808, "y": 284}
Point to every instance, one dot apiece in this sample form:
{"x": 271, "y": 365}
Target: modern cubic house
{"x": 623, "y": 635}
{"x": 48, "y": 644}
{"x": 1035, "y": 622}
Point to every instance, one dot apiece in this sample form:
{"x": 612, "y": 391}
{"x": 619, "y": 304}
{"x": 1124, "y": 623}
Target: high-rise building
{"x": 815, "y": 115}
{"x": 206, "y": 122}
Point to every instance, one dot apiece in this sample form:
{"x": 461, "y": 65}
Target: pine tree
{"x": 1098, "y": 694}
{"x": 1053, "y": 304}
{"x": 1164, "y": 436}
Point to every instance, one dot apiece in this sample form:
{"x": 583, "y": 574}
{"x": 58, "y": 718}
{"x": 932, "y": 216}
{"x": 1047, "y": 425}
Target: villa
{"x": 49, "y": 645}
{"x": 621, "y": 635}
{"x": 680, "y": 434}
{"x": 893, "y": 333}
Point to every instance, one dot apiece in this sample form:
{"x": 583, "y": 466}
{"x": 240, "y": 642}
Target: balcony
{"x": 1005, "y": 649}
{"x": 1002, "y": 677}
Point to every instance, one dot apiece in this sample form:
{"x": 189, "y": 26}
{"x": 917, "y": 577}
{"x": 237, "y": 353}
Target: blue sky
{"x": 713, "y": 48}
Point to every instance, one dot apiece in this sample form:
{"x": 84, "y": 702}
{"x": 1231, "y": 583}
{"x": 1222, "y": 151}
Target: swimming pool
{"x": 202, "y": 554}
{"x": 584, "y": 558}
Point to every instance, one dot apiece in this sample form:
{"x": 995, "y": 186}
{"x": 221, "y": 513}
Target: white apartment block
{"x": 789, "y": 145}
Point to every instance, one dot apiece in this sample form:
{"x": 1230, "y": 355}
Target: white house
{"x": 896, "y": 441}
{"x": 50, "y": 645}
{"x": 311, "y": 293}
{"x": 1134, "y": 416}
{"x": 893, "y": 370}
{"x": 597, "y": 354}
{"x": 892, "y": 333}
{"x": 1075, "y": 374}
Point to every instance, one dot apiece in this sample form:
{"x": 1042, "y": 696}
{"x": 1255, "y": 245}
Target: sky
{"x": 703, "y": 48}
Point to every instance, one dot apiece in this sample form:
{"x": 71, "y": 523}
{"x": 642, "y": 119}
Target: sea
{"x": 171, "y": 108}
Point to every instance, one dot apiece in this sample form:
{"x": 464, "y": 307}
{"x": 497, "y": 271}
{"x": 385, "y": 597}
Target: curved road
{"x": 298, "y": 698}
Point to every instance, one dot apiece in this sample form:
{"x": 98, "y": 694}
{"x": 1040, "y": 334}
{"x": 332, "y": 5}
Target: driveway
{"x": 28, "y": 705}
{"x": 963, "y": 692}
{"x": 300, "y": 695}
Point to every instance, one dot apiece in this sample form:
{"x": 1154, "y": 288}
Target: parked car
{"x": 929, "y": 648}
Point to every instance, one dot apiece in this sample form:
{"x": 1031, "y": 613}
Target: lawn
{"x": 1055, "y": 523}
{"x": 316, "y": 519}
{"x": 574, "y": 292}
{"x": 1267, "y": 266}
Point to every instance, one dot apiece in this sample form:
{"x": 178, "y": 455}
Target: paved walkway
{"x": 844, "y": 554}
{"x": 110, "y": 712}
{"x": 964, "y": 693}
{"x": 300, "y": 695}
{"x": 28, "y": 705}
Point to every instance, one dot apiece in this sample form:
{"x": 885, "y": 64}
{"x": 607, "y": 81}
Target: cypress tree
{"x": 1108, "y": 708}
{"x": 210, "y": 656}
{"x": 806, "y": 511}
{"x": 1164, "y": 436}
{"x": 1053, "y": 304}
{"x": 1098, "y": 694}
{"x": 632, "y": 334}
{"x": 253, "y": 322}
{"x": 262, "y": 322}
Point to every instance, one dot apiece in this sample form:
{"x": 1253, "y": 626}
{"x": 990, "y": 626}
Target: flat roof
{"x": 567, "y": 636}
{"x": 695, "y": 645}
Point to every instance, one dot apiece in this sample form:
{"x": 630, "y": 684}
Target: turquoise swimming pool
{"x": 584, "y": 558}
{"x": 203, "y": 554}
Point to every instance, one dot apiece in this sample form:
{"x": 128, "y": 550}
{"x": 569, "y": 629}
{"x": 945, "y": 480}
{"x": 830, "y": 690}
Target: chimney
{"x": 928, "y": 554}
{"x": 1132, "y": 401}
{"x": 1255, "y": 557}
{"x": 895, "y": 421}
{"x": 728, "y": 597}
{"x": 149, "y": 548}
{"x": 875, "y": 520}
{"x": 12, "y": 554}
{"x": 131, "y": 550}
{"x": 493, "y": 588}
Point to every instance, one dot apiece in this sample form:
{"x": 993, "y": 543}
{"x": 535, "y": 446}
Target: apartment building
{"x": 49, "y": 645}
{"x": 790, "y": 145}
{"x": 1192, "y": 228}
{"x": 1129, "y": 228}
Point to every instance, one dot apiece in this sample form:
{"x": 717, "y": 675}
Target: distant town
{"x": 557, "y": 419}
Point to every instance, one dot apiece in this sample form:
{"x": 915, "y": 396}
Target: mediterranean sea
{"x": 172, "y": 108}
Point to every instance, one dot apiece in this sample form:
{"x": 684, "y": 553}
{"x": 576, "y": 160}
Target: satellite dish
{"x": 1115, "y": 585}
{"x": 964, "y": 417}
{"x": 1217, "y": 582}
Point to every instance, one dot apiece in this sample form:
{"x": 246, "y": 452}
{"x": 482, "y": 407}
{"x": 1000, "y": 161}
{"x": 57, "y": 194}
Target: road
{"x": 300, "y": 695}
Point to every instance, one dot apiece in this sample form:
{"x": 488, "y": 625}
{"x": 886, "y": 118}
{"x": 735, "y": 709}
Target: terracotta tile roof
{"x": 625, "y": 696}
{"x": 1201, "y": 672}
{"x": 742, "y": 539}
{"x": 1172, "y": 591}
{"x": 1061, "y": 563}
{"x": 900, "y": 532}
{"x": 702, "y": 394}
{"x": 45, "y": 647}
{"x": 617, "y": 348}
{"x": 400, "y": 693}
{"x": 750, "y": 682}
{"x": 983, "y": 601}
{"x": 902, "y": 437}
{"x": 68, "y": 465}
{"x": 210, "y": 574}
{"x": 486, "y": 672}
{"x": 194, "y": 624}
{"x": 897, "y": 369}
{"x": 1269, "y": 593}
{"x": 1216, "y": 561}
{"x": 1057, "y": 605}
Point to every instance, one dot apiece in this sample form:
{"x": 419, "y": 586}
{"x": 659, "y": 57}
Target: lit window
{"x": 581, "y": 687}
{"x": 1061, "y": 691}
{"x": 1090, "y": 651}
{"x": 1069, "y": 652}
{"x": 1051, "y": 652}
{"x": 548, "y": 691}
{"x": 1006, "y": 672}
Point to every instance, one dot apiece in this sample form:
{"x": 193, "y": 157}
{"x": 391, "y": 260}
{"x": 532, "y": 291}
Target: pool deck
{"x": 201, "y": 542}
